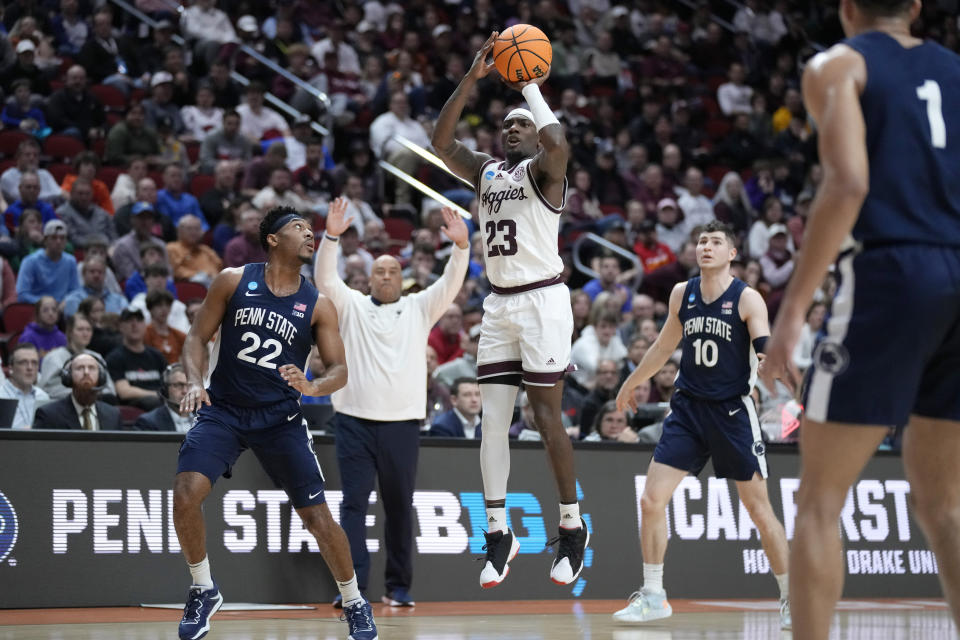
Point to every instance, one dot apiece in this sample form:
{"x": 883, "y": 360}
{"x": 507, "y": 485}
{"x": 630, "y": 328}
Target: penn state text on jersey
{"x": 718, "y": 361}
{"x": 913, "y": 151}
{"x": 259, "y": 333}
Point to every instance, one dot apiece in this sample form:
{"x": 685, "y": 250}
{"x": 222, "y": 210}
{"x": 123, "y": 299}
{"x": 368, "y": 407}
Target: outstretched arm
{"x": 832, "y": 83}
{"x": 458, "y": 158}
{"x": 326, "y": 333}
{"x": 209, "y": 317}
{"x": 658, "y": 353}
{"x": 438, "y": 296}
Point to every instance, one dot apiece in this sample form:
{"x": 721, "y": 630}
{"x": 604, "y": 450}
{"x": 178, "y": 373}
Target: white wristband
{"x": 542, "y": 114}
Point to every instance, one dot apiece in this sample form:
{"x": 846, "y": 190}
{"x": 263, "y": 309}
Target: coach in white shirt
{"x": 380, "y": 409}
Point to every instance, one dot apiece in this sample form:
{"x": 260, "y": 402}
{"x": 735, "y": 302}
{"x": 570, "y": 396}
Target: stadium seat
{"x": 187, "y": 290}
{"x": 715, "y": 173}
{"x": 717, "y": 128}
{"x": 10, "y": 139}
{"x": 128, "y": 415}
{"x": 7, "y": 342}
{"x": 710, "y": 105}
{"x": 193, "y": 152}
{"x": 200, "y": 184}
{"x": 17, "y": 316}
{"x": 59, "y": 171}
{"x": 63, "y": 147}
{"x": 111, "y": 97}
{"x": 398, "y": 228}
{"x": 109, "y": 175}
{"x": 714, "y": 82}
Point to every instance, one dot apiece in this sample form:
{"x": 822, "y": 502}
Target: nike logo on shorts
{"x": 733, "y": 412}
{"x": 289, "y": 418}
{"x": 314, "y": 495}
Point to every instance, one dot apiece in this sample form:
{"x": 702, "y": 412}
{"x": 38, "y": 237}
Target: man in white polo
{"x": 380, "y": 409}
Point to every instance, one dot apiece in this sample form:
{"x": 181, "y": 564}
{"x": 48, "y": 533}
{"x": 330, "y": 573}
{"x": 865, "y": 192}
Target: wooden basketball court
{"x": 525, "y": 620}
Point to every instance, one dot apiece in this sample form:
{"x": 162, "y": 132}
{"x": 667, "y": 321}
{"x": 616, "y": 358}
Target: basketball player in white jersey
{"x": 527, "y": 321}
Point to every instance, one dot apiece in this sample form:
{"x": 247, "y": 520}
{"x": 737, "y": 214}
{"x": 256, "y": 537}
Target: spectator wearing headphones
{"x": 168, "y": 417}
{"x": 84, "y": 374}
{"x": 79, "y": 335}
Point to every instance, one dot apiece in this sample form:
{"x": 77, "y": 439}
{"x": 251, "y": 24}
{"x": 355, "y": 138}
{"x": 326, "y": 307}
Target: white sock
{"x": 349, "y": 591}
{"x": 783, "y": 581}
{"x": 570, "y": 516}
{"x": 496, "y": 519}
{"x": 652, "y": 577}
{"x": 201, "y": 573}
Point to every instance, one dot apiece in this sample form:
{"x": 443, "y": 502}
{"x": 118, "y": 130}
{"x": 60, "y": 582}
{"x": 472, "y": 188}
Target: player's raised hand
{"x": 195, "y": 398}
{"x": 296, "y": 379}
{"x": 455, "y": 228}
{"x": 480, "y": 67}
{"x": 337, "y": 220}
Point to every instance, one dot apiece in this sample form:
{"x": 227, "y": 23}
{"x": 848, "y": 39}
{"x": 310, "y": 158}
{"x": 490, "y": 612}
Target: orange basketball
{"x": 522, "y": 52}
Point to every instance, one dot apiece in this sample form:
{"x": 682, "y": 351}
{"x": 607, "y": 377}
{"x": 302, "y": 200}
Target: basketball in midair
{"x": 522, "y": 52}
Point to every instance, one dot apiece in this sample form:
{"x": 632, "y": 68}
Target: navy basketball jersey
{"x": 259, "y": 333}
{"x": 911, "y": 107}
{"x": 719, "y": 362}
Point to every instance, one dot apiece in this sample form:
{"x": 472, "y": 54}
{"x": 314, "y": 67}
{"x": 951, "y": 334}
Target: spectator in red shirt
{"x": 653, "y": 254}
{"x": 446, "y": 336}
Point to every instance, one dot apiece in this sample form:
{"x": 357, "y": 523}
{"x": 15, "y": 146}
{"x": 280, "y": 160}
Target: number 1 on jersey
{"x": 929, "y": 92}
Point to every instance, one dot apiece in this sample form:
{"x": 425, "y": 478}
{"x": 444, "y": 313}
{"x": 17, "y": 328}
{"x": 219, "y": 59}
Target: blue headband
{"x": 282, "y": 221}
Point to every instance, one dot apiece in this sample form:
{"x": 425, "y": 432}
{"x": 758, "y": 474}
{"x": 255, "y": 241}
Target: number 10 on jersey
{"x": 705, "y": 352}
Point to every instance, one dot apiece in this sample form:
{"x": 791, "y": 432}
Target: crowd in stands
{"x": 134, "y": 166}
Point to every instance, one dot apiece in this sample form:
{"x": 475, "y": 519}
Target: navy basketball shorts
{"x": 891, "y": 345}
{"x": 282, "y": 444}
{"x": 726, "y": 430}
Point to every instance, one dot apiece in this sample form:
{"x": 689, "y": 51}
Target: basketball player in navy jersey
{"x": 887, "y": 107}
{"x": 722, "y": 325}
{"x": 527, "y": 320}
{"x": 268, "y": 318}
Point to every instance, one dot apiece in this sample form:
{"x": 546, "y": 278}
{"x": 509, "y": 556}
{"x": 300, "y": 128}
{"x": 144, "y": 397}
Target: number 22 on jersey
{"x": 266, "y": 361}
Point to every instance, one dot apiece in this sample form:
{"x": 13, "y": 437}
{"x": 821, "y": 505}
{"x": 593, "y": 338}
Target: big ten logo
{"x": 704, "y": 509}
{"x": 9, "y": 528}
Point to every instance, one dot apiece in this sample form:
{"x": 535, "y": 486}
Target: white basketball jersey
{"x": 519, "y": 226}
